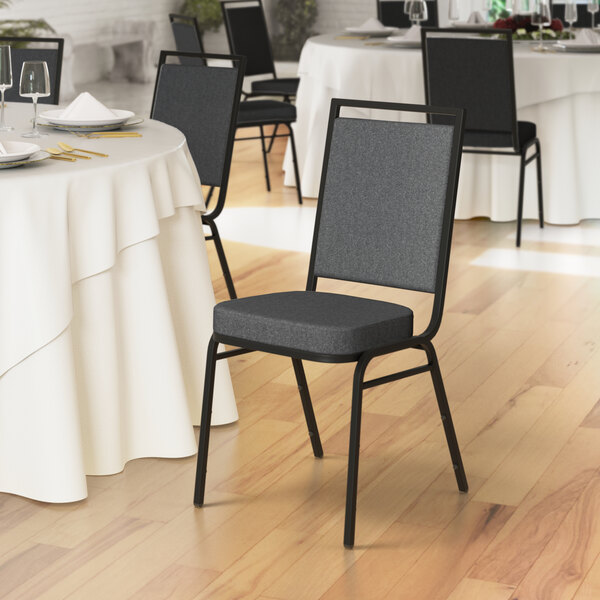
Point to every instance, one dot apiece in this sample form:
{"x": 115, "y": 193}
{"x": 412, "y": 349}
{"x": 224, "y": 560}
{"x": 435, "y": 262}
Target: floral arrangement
{"x": 524, "y": 29}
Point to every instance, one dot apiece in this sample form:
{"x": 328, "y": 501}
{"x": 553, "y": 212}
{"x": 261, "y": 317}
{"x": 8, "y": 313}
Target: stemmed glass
{"x": 453, "y": 13}
{"x": 35, "y": 83}
{"x": 6, "y": 82}
{"x": 570, "y": 15}
{"x": 417, "y": 11}
{"x": 592, "y": 7}
{"x": 540, "y": 17}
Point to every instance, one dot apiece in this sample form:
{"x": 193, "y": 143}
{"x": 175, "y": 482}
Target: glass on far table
{"x": 540, "y": 17}
{"x": 35, "y": 83}
{"x": 571, "y": 15}
{"x": 6, "y": 82}
{"x": 592, "y": 7}
{"x": 417, "y": 11}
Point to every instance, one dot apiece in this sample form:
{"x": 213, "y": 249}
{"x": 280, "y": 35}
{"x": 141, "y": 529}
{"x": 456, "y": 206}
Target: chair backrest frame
{"x": 404, "y": 21}
{"x": 453, "y": 33}
{"x": 187, "y": 21}
{"x": 238, "y": 62}
{"x": 227, "y": 6}
{"x": 54, "y": 96}
{"x": 441, "y": 275}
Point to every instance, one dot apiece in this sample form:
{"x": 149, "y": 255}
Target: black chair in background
{"x": 187, "y": 35}
{"x": 391, "y": 14}
{"x": 248, "y": 36}
{"x": 466, "y": 69}
{"x": 401, "y": 178}
{"x": 584, "y": 18}
{"x": 49, "y": 50}
{"x": 202, "y": 101}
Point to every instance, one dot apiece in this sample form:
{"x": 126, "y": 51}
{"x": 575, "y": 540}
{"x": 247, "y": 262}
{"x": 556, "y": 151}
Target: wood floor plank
{"x": 177, "y": 582}
{"x": 590, "y": 588}
{"x": 476, "y": 589}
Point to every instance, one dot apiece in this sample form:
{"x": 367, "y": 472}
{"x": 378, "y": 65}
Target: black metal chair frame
{"x": 517, "y": 149}
{"x": 208, "y": 218}
{"x": 54, "y": 96}
{"x": 192, "y": 22}
{"x": 428, "y": 2}
{"x": 421, "y": 341}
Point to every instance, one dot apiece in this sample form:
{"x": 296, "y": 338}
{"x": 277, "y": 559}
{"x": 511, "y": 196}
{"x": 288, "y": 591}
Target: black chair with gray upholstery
{"x": 584, "y": 18}
{"x": 248, "y": 36}
{"x": 465, "y": 68}
{"x": 391, "y": 14}
{"x": 187, "y": 35}
{"x": 202, "y": 101}
{"x": 384, "y": 217}
{"x": 24, "y": 49}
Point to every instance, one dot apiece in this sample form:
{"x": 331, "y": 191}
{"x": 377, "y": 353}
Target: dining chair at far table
{"x": 464, "y": 68}
{"x": 391, "y": 14}
{"x": 187, "y": 35}
{"x": 247, "y": 35}
{"x": 48, "y": 49}
{"x": 202, "y": 101}
{"x": 402, "y": 180}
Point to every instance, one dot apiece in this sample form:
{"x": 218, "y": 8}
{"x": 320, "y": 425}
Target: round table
{"x": 105, "y": 310}
{"x": 558, "y": 91}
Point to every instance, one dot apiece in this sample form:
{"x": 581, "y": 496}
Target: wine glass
{"x": 35, "y": 83}
{"x": 6, "y": 82}
{"x": 592, "y": 7}
{"x": 453, "y": 12}
{"x": 417, "y": 11}
{"x": 570, "y": 15}
{"x": 540, "y": 17}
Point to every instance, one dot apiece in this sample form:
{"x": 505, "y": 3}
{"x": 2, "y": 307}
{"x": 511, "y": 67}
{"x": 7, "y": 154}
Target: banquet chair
{"x": 401, "y": 240}
{"x": 202, "y": 101}
{"x": 187, "y": 35}
{"x": 584, "y": 18}
{"x": 23, "y": 49}
{"x": 248, "y": 36}
{"x": 475, "y": 72}
{"x": 391, "y": 14}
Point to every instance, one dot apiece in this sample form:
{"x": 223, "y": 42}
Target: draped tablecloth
{"x": 105, "y": 311}
{"x": 560, "y": 92}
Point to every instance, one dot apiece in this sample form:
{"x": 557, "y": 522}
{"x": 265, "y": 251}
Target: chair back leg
{"x": 442, "y": 400}
{"x": 538, "y": 163}
{"x": 295, "y": 161}
{"x": 207, "y": 401}
{"x": 216, "y": 238}
{"x": 520, "y": 201}
{"x": 264, "y": 154}
{"x": 309, "y": 414}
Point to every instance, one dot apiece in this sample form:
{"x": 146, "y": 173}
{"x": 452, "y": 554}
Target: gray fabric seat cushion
{"x": 255, "y": 112}
{"x": 490, "y": 139}
{"x": 285, "y": 86}
{"x": 317, "y": 322}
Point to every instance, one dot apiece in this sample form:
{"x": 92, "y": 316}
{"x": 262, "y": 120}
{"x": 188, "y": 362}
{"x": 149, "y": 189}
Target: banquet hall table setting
{"x": 557, "y": 90}
{"x": 105, "y": 309}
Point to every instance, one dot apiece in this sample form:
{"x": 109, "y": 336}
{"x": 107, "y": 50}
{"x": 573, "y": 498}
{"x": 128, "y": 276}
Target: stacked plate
{"x": 54, "y": 118}
{"x": 20, "y": 153}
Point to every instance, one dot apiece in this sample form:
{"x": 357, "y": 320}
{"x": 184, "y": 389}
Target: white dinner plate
{"x": 35, "y": 157}
{"x": 398, "y": 40}
{"x": 134, "y": 120}
{"x": 566, "y": 47}
{"x": 18, "y": 151}
{"x": 54, "y": 118}
{"x": 372, "y": 32}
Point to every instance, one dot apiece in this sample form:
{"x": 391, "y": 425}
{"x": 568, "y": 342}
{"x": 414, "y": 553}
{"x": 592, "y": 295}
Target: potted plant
{"x": 296, "y": 18}
{"x": 207, "y": 13}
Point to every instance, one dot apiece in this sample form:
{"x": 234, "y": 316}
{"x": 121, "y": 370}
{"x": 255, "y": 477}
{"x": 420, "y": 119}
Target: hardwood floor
{"x": 521, "y": 362}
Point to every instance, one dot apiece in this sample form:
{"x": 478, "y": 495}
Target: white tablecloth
{"x": 560, "y": 92}
{"x": 105, "y": 311}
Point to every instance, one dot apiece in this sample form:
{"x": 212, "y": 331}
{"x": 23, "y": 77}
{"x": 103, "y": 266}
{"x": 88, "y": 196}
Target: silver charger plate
{"x": 577, "y": 47}
{"x": 35, "y": 157}
{"x": 87, "y": 128}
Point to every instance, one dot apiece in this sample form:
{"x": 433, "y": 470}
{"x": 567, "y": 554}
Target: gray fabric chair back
{"x": 248, "y": 36}
{"x": 383, "y": 203}
{"x": 187, "y": 37}
{"x": 476, "y": 74}
{"x": 19, "y": 55}
{"x": 199, "y": 101}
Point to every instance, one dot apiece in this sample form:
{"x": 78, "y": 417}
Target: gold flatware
{"x": 351, "y": 37}
{"x": 67, "y": 158}
{"x": 57, "y": 152}
{"x": 70, "y": 149}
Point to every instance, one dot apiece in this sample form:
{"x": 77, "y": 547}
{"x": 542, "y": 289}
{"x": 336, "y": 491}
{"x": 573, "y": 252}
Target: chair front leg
{"x": 539, "y": 182}
{"x": 264, "y": 154}
{"x": 309, "y": 415}
{"x": 207, "y": 401}
{"x": 354, "y": 451}
{"x": 520, "y": 202}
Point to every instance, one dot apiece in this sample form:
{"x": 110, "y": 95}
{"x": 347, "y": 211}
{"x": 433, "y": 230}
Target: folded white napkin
{"x": 587, "y": 37}
{"x": 84, "y": 107}
{"x": 413, "y": 34}
{"x": 2, "y": 149}
{"x": 371, "y": 24}
{"x": 476, "y": 18}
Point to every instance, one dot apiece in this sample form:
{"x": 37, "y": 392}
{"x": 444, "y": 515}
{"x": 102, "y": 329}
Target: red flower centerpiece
{"x": 523, "y": 28}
